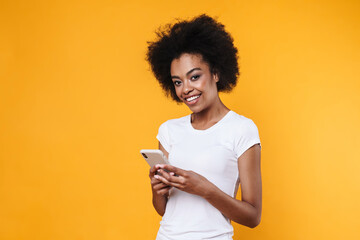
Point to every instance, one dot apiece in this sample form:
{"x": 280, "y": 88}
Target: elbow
{"x": 250, "y": 222}
{"x": 255, "y": 221}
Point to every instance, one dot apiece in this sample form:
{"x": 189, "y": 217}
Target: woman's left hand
{"x": 187, "y": 181}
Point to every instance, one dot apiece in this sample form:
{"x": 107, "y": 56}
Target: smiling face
{"x": 194, "y": 83}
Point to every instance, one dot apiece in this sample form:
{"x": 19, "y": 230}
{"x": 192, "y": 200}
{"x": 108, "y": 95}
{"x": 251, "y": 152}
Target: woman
{"x": 211, "y": 151}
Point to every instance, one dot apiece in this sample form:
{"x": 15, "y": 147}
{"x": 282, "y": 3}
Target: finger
{"x": 167, "y": 182}
{"x": 171, "y": 177}
{"x": 155, "y": 167}
{"x": 164, "y": 191}
{"x": 155, "y": 181}
{"x": 162, "y": 179}
{"x": 152, "y": 171}
{"x": 160, "y": 186}
{"x": 164, "y": 187}
{"x": 170, "y": 168}
{"x": 163, "y": 173}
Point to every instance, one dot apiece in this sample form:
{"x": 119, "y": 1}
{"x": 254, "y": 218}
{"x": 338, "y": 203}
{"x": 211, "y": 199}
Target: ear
{"x": 216, "y": 77}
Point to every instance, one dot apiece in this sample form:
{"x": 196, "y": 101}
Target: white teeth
{"x": 192, "y": 98}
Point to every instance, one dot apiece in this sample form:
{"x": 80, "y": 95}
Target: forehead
{"x": 186, "y": 62}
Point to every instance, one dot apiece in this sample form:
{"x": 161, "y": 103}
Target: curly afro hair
{"x": 202, "y": 35}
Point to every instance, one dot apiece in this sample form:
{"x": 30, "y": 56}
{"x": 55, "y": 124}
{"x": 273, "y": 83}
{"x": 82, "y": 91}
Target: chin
{"x": 196, "y": 109}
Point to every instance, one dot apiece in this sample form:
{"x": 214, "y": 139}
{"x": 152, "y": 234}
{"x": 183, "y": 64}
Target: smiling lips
{"x": 192, "y": 99}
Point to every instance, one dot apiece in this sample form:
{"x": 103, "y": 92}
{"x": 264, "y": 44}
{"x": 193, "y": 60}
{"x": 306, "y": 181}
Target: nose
{"x": 187, "y": 88}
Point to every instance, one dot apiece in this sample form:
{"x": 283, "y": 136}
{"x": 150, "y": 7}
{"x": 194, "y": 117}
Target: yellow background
{"x": 78, "y": 102}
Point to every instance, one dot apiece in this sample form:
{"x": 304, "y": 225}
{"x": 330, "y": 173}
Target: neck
{"x": 211, "y": 114}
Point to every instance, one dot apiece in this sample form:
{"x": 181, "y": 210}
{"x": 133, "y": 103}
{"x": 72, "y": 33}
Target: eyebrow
{"x": 187, "y": 74}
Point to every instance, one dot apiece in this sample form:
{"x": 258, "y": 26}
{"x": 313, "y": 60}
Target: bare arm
{"x": 160, "y": 191}
{"x": 246, "y": 211}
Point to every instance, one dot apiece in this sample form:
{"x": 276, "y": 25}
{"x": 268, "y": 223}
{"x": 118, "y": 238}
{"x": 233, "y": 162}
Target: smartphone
{"x": 154, "y": 156}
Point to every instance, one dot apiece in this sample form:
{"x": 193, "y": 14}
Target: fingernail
{"x": 156, "y": 176}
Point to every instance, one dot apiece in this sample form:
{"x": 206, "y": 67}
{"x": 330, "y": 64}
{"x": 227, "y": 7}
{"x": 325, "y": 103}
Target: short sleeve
{"x": 247, "y": 137}
{"x": 163, "y": 136}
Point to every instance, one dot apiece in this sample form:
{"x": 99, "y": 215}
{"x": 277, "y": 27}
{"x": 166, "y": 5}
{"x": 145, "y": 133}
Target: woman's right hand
{"x": 158, "y": 187}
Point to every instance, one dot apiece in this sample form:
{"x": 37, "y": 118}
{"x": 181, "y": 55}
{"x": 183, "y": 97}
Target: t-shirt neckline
{"x": 210, "y": 128}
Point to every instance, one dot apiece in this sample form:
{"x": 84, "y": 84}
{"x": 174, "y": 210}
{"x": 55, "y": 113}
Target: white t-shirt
{"x": 212, "y": 153}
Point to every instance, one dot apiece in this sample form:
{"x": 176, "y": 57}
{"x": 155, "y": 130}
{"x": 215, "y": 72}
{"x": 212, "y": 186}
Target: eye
{"x": 177, "y": 83}
{"x": 195, "y": 77}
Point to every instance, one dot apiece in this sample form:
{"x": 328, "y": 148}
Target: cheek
{"x": 208, "y": 86}
{"x": 178, "y": 91}
{"x": 211, "y": 89}
{"x": 201, "y": 85}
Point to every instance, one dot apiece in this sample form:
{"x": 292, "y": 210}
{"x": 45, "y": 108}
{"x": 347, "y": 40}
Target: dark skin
{"x": 160, "y": 190}
{"x": 207, "y": 110}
